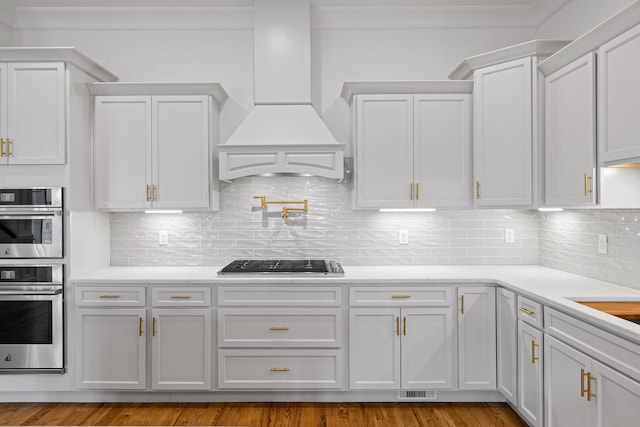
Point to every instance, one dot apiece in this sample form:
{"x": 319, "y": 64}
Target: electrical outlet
{"x": 163, "y": 238}
{"x": 403, "y": 237}
{"x": 509, "y": 235}
{"x": 602, "y": 243}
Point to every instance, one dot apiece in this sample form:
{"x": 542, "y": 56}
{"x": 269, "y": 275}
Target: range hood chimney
{"x": 282, "y": 133}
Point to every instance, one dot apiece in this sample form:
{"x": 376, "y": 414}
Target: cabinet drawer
{"x": 116, "y": 296}
{"x": 309, "y": 369}
{"x": 388, "y": 296}
{"x": 530, "y": 312}
{"x": 280, "y": 295}
{"x": 181, "y": 296}
{"x": 280, "y": 328}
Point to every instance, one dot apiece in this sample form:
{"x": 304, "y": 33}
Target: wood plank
{"x": 262, "y": 414}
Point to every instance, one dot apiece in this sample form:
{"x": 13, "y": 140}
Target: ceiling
{"x": 238, "y": 14}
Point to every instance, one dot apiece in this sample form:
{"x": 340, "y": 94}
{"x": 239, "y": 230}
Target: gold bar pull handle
{"x": 411, "y": 191}
{"x": 587, "y": 188}
{"x": 109, "y": 296}
{"x": 527, "y": 311}
{"x": 147, "y": 193}
{"x": 533, "y": 352}
{"x": 279, "y": 369}
{"x": 398, "y": 325}
{"x": 1, "y": 147}
{"x": 140, "y": 331}
{"x": 583, "y": 374}
{"x": 278, "y": 328}
{"x": 9, "y": 152}
{"x": 180, "y": 297}
{"x": 477, "y": 189}
{"x": 462, "y": 304}
{"x": 589, "y": 379}
{"x": 154, "y": 193}
{"x": 153, "y": 328}
{"x": 404, "y": 326}
{"x": 400, "y": 296}
{"x": 417, "y": 191}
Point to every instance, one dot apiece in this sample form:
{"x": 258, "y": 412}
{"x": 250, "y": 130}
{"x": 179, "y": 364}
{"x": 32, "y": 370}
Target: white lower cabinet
{"x": 477, "y": 337}
{"x": 507, "y": 340}
{"x": 409, "y": 348}
{"x": 111, "y": 348}
{"x": 181, "y": 349}
{"x": 582, "y": 392}
{"x": 530, "y": 374}
{"x": 112, "y": 330}
{"x": 266, "y": 343}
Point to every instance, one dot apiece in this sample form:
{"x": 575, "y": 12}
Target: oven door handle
{"x": 30, "y": 215}
{"x": 29, "y": 292}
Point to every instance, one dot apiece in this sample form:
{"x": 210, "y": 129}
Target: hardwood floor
{"x": 260, "y": 414}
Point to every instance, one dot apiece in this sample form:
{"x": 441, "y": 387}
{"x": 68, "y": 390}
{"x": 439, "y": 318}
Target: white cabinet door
{"x": 570, "y": 140}
{"x": 477, "y": 338}
{"x": 507, "y": 335}
{"x": 428, "y": 348}
{"x": 181, "y": 349}
{"x": 530, "y": 373}
{"x": 4, "y": 103}
{"x": 618, "y": 97}
{"x": 442, "y": 150}
{"x": 111, "y": 348}
{"x": 384, "y": 151}
{"x": 617, "y": 397}
{"x": 564, "y": 386}
{"x": 35, "y": 113}
{"x": 502, "y": 134}
{"x": 374, "y": 348}
{"x": 180, "y": 161}
{"x": 122, "y": 140}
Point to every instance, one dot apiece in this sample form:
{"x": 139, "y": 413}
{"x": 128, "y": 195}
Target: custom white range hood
{"x": 282, "y": 133}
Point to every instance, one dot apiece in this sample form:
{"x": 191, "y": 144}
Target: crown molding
{"x": 349, "y": 89}
{"x": 222, "y": 15}
{"x": 134, "y": 88}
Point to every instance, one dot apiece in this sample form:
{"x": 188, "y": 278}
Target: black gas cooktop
{"x": 288, "y": 267}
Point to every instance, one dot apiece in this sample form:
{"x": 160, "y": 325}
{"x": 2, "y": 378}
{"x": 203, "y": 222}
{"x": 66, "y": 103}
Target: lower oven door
{"x": 31, "y": 333}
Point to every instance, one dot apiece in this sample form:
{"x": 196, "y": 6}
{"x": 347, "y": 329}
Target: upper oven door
{"x": 34, "y": 234}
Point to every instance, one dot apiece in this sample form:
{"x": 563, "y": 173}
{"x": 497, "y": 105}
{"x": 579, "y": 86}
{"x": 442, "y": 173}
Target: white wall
{"x": 5, "y": 35}
{"x": 579, "y": 16}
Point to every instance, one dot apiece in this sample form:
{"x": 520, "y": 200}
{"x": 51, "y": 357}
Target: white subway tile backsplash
{"x": 562, "y": 240}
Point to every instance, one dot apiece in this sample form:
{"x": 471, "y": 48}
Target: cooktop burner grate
{"x": 302, "y": 266}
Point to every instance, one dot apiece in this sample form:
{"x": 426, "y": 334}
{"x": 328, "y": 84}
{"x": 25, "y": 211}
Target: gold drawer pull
{"x": 1, "y": 147}
{"x": 533, "y": 352}
{"x": 140, "y": 331}
{"x": 109, "y": 296}
{"x": 278, "y": 328}
{"x": 400, "y": 296}
{"x": 583, "y": 374}
{"x": 180, "y": 297}
{"x": 9, "y": 152}
{"x": 527, "y": 311}
{"x": 279, "y": 369}
{"x": 153, "y": 329}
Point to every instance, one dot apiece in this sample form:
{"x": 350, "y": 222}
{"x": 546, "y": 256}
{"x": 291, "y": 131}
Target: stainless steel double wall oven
{"x": 31, "y": 280}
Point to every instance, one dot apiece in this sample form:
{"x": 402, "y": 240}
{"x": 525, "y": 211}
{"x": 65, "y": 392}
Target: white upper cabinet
{"x": 152, "y": 151}
{"x": 384, "y": 151}
{"x": 502, "y": 134}
{"x": 508, "y": 134}
{"x": 412, "y": 150}
{"x": 32, "y": 113}
{"x": 618, "y": 95}
{"x": 570, "y": 134}
{"x": 442, "y": 150}
{"x": 122, "y": 149}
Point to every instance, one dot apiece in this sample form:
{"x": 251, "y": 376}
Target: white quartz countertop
{"x": 556, "y": 289}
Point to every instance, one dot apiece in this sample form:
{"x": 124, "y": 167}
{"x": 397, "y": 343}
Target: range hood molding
{"x": 282, "y": 134}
